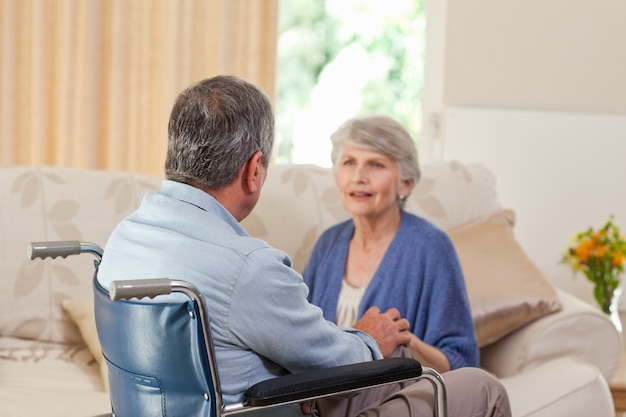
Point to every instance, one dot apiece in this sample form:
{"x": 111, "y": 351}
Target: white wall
{"x": 560, "y": 55}
{"x": 560, "y": 172}
{"x": 536, "y": 90}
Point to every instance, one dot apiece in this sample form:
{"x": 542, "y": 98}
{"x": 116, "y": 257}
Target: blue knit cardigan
{"x": 420, "y": 275}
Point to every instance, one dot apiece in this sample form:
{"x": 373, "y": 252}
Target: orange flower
{"x": 597, "y": 237}
{"x": 583, "y": 251}
{"x": 600, "y": 255}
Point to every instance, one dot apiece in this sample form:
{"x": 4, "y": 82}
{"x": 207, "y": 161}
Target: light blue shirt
{"x": 262, "y": 324}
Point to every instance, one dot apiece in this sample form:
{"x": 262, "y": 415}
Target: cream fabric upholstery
{"x": 577, "y": 330}
{"x": 565, "y": 386}
{"x": 46, "y": 368}
{"x": 505, "y": 288}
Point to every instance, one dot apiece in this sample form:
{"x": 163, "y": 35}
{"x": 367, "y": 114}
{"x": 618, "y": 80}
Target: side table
{"x": 617, "y": 384}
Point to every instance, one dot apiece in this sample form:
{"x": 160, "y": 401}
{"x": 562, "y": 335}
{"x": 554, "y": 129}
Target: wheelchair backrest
{"x": 156, "y": 357}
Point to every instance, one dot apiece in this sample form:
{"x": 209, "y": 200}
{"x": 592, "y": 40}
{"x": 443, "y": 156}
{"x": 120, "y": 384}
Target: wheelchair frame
{"x": 277, "y": 391}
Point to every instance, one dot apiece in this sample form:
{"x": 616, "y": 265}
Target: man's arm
{"x": 270, "y": 314}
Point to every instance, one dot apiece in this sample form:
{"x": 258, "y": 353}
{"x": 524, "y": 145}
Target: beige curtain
{"x": 90, "y": 83}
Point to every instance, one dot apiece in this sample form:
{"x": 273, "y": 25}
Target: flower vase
{"x": 613, "y": 308}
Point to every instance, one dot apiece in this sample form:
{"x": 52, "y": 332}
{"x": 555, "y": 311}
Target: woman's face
{"x": 369, "y": 182}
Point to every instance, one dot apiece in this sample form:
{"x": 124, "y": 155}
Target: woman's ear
{"x": 405, "y": 187}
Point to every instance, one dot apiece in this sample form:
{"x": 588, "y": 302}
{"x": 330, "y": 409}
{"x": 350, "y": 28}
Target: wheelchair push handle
{"x": 139, "y": 288}
{"x": 63, "y": 248}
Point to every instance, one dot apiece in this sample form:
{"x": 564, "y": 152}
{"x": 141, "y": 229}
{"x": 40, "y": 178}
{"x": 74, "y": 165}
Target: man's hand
{"x": 389, "y": 329}
{"x": 307, "y": 407}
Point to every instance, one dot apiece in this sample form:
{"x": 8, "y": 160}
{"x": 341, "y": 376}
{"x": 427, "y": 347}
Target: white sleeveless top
{"x": 348, "y": 304}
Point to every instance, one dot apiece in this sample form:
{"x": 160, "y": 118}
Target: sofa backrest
{"x": 298, "y": 202}
{"x": 42, "y": 203}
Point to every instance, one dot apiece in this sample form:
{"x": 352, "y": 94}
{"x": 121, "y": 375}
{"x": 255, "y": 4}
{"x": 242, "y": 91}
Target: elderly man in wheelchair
{"x": 267, "y": 350}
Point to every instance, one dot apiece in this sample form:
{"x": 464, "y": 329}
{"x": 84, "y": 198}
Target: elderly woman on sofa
{"x": 384, "y": 257}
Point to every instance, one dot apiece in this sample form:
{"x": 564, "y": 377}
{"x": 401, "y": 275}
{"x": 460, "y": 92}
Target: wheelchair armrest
{"x": 337, "y": 380}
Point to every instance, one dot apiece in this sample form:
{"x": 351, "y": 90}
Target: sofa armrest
{"x": 574, "y": 331}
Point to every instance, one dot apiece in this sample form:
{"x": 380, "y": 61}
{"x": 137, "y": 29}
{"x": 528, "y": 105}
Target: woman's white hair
{"x": 382, "y": 134}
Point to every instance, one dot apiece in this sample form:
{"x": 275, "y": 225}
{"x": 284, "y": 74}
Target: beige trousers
{"x": 471, "y": 392}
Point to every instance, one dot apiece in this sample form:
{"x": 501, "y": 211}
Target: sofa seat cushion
{"x": 41, "y": 379}
{"x": 561, "y": 387}
{"x": 50, "y": 401}
{"x": 38, "y": 365}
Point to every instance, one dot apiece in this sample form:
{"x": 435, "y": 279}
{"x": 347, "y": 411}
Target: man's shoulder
{"x": 260, "y": 250}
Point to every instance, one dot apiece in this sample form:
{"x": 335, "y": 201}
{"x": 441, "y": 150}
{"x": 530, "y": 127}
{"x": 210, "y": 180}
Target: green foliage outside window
{"x": 339, "y": 59}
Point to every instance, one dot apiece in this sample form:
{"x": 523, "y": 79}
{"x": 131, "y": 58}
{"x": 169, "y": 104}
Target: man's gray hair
{"x": 216, "y": 125}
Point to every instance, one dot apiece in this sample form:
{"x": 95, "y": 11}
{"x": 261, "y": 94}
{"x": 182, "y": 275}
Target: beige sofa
{"x": 552, "y": 351}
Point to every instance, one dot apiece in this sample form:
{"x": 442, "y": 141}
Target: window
{"x": 344, "y": 59}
